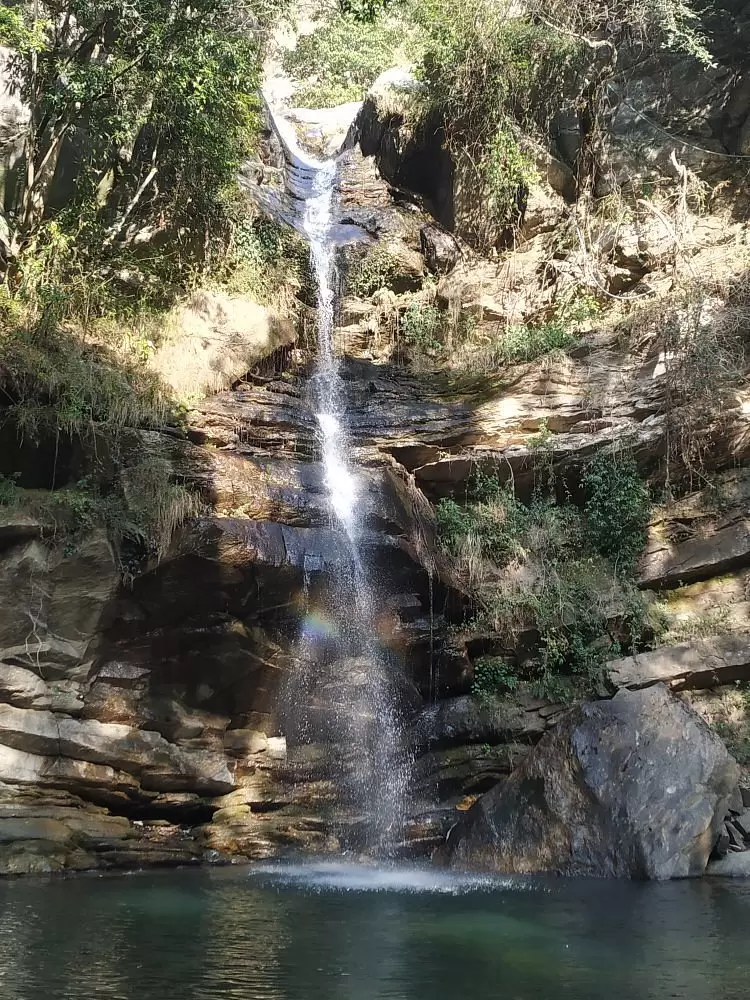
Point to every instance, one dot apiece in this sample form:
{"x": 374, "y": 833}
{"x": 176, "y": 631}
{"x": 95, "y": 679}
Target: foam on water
{"x": 336, "y": 876}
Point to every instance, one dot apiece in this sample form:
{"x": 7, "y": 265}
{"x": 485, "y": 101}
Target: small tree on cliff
{"x": 155, "y": 100}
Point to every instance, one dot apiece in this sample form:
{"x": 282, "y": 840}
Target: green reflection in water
{"x": 319, "y": 934}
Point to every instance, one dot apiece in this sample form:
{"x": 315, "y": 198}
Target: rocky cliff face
{"x": 164, "y": 702}
{"x": 155, "y": 722}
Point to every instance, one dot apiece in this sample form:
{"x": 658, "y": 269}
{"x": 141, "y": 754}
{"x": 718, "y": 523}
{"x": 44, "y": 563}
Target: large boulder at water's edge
{"x": 636, "y": 787}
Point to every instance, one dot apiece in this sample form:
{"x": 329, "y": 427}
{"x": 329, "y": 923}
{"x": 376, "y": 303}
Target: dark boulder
{"x": 440, "y": 249}
{"x": 633, "y": 787}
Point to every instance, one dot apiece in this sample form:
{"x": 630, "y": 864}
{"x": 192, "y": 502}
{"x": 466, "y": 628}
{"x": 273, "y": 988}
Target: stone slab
{"x": 703, "y": 663}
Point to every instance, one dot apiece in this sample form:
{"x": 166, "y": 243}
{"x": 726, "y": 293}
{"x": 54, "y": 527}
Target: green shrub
{"x": 63, "y": 277}
{"x": 379, "y": 268}
{"x": 453, "y": 522}
{"x": 522, "y": 343}
{"x": 18, "y": 32}
{"x": 343, "y": 57}
{"x": 493, "y": 676}
{"x": 166, "y": 95}
{"x": 614, "y": 522}
{"x": 493, "y": 78}
{"x": 583, "y": 610}
{"x": 527, "y": 343}
{"x": 364, "y": 10}
{"x": 10, "y": 493}
{"x": 73, "y": 512}
{"x": 504, "y": 526}
{"x": 54, "y": 384}
{"x": 152, "y": 505}
{"x": 265, "y": 259}
{"x": 581, "y": 308}
{"x": 507, "y": 167}
{"x": 573, "y": 618}
{"x": 618, "y": 507}
{"x": 422, "y": 326}
{"x": 649, "y": 25}
{"x": 582, "y": 615}
{"x": 499, "y": 78}
{"x": 492, "y": 525}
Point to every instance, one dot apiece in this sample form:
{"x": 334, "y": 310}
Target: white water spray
{"x": 368, "y": 723}
{"x": 327, "y": 388}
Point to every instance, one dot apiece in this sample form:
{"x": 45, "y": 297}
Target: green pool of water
{"x": 337, "y": 932}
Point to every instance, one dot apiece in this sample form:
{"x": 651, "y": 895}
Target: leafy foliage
{"x": 493, "y": 675}
{"x": 617, "y": 508}
{"x": 504, "y": 525}
{"x": 648, "y": 25}
{"x": 520, "y": 342}
{"x": 492, "y": 525}
{"x": 379, "y": 268}
{"x": 364, "y": 10}
{"x": 57, "y": 387}
{"x": 152, "y": 505}
{"x": 581, "y": 607}
{"x": 498, "y": 79}
{"x": 582, "y": 615}
{"x": 18, "y": 32}
{"x": 341, "y": 59}
{"x": 492, "y": 77}
{"x": 508, "y": 171}
{"x": 159, "y": 103}
{"x": 163, "y": 96}
{"x": 264, "y": 258}
{"x": 204, "y": 115}
{"x": 61, "y": 279}
{"x": 422, "y": 326}
{"x": 10, "y": 492}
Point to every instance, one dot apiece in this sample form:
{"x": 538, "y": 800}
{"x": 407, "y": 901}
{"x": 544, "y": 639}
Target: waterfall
{"x": 327, "y": 391}
{"x": 365, "y": 725}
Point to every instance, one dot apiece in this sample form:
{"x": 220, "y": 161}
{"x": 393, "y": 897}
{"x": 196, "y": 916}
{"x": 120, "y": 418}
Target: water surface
{"x": 339, "y": 932}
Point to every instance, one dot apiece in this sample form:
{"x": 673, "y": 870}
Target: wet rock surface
{"x": 466, "y": 720}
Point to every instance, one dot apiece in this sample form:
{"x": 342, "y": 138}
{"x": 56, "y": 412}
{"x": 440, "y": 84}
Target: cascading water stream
{"x": 327, "y": 389}
{"x": 366, "y": 727}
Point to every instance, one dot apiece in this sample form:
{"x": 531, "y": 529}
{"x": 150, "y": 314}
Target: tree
{"x": 158, "y": 99}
